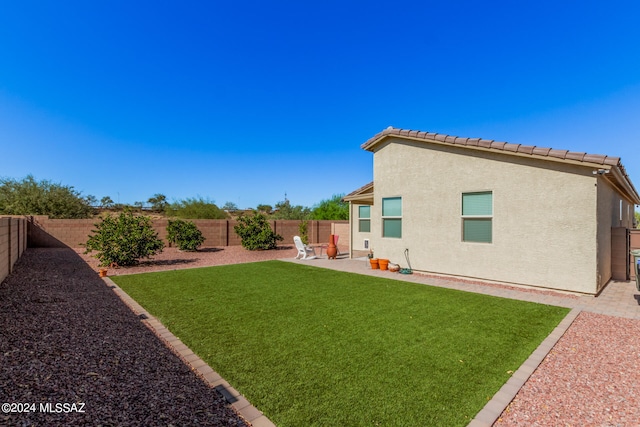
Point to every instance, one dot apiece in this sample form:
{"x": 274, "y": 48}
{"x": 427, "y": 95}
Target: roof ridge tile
{"x": 511, "y": 147}
{"x": 574, "y": 155}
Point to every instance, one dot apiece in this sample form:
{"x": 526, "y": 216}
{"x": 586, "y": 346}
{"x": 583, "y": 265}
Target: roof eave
{"x": 621, "y": 181}
{"x": 363, "y": 195}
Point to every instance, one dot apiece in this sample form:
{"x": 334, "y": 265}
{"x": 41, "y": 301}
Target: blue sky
{"x": 244, "y": 101}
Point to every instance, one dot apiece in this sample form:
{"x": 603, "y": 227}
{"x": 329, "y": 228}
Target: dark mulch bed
{"x": 65, "y": 337}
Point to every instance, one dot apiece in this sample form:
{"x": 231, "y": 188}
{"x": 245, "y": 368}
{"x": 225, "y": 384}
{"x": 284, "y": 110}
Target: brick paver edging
{"x": 499, "y": 402}
{"x": 204, "y": 371}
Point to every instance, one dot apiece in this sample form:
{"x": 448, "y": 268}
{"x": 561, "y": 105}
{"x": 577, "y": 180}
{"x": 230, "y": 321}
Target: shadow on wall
{"x": 59, "y": 233}
{"x": 39, "y": 238}
{"x": 13, "y": 242}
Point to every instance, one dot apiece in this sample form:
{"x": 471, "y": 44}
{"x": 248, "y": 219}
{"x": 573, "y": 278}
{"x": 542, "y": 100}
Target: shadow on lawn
{"x": 177, "y": 261}
{"x": 163, "y": 262}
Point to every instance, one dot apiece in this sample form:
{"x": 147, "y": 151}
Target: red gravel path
{"x": 173, "y": 259}
{"x": 590, "y": 378}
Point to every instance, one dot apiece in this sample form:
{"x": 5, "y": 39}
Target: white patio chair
{"x": 303, "y": 250}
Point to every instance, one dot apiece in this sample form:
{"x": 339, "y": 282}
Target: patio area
{"x": 620, "y": 299}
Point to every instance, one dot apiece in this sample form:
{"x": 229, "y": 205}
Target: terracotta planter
{"x": 332, "y": 250}
{"x": 374, "y": 263}
{"x": 384, "y": 264}
{"x": 103, "y": 272}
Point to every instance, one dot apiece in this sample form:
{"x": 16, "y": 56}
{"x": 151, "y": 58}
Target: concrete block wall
{"x": 342, "y": 230}
{"x": 48, "y": 233}
{"x": 5, "y": 250}
{"x": 634, "y": 243}
{"x": 13, "y": 242}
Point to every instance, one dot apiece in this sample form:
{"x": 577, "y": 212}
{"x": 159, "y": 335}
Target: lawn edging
{"x": 241, "y": 405}
{"x": 501, "y": 400}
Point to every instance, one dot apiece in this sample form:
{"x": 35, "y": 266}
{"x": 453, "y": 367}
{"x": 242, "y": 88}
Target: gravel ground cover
{"x": 65, "y": 338}
{"x": 173, "y": 259}
{"x": 590, "y": 378}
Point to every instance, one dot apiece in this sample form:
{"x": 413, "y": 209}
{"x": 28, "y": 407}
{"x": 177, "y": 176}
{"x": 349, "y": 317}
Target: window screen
{"x": 392, "y": 217}
{"x": 477, "y": 217}
{"x": 364, "y": 221}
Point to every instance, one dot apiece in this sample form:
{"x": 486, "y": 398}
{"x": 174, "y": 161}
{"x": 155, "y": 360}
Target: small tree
{"x": 256, "y": 233}
{"x": 303, "y": 229}
{"x": 230, "y": 207}
{"x": 124, "y": 239}
{"x": 158, "y": 202}
{"x": 31, "y": 197}
{"x": 195, "y": 208}
{"x": 267, "y": 209}
{"x": 185, "y": 234}
{"x": 91, "y": 200}
{"x": 334, "y": 208}
{"x": 106, "y": 202}
{"x": 285, "y": 210}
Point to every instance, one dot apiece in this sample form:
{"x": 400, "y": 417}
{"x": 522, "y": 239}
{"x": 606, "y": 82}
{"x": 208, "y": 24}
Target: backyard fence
{"x": 73, "y": 233}
{"x": 623, "y": 241}
{"x": 634, "y": 243}
{"x": 18, "y": 233}
{"x": 13, "y": 242}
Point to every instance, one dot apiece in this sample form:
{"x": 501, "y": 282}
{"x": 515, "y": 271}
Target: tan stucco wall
{"x": 613, "y": 211}
{"x": 544, "y": 216}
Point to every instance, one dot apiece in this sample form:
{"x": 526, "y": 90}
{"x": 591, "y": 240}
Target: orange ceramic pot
{"x": 374, "y": 263}
{"x": 384, "y": 264}
{"x": 103, "y": 272}
{"x": 332, "y": 250}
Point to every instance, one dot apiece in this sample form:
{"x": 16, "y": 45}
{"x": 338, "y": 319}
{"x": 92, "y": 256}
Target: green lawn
{"x": 316, "y": 347}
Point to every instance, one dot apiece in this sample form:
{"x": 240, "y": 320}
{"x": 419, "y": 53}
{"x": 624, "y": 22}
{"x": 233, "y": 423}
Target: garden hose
{"x": 407, "y": 270}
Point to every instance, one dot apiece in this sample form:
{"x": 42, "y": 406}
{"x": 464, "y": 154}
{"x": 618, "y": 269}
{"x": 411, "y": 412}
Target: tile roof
{"x": 361, "y": 190}
{"x": 539, "y": 152}
{"x": 493, "y": 145}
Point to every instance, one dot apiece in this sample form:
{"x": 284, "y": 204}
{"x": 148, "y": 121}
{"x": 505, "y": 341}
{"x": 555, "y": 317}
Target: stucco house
{"x": 491, "y": 210}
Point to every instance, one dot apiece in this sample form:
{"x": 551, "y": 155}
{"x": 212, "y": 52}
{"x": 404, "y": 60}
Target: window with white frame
{"x": 477, "y": 217}
{"x": 364, "y": 219}
{"x": 392, "y": 217}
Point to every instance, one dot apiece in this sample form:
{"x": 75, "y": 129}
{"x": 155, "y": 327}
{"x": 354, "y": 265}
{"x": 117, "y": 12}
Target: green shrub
{"x": 124, "y": 239}
{"x": 285, "y": 210}
{"x": 256, "y": 233}
{"x": 334, "y": 208}
{"x": 195, "y": 208}
{"x": 31, "y": 197}
{"x": 303, "y": 229}
{"x": 185, "y": 234}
